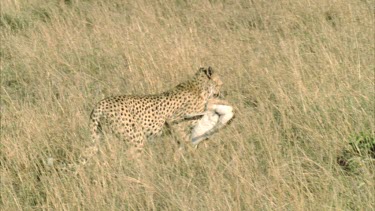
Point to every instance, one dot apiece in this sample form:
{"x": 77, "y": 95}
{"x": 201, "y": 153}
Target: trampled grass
{"x": 300, "y": 75}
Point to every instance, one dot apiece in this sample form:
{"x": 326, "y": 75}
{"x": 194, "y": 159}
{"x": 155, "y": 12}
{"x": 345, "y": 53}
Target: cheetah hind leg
{"x": 181, "y": 134}
{"x": 135, "y": 139}
{"x": 96, "y": 135}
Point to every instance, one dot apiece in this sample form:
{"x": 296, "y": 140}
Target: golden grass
{"x": 299, "y": 73}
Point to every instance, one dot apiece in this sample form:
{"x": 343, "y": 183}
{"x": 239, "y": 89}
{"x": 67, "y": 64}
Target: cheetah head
{"x": 211, "y": 80}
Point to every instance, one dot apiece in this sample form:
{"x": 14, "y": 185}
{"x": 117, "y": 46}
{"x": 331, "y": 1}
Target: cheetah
{"x": 137, "y": 118}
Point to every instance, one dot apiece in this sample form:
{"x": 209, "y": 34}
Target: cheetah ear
{"x": 209, "y": 71}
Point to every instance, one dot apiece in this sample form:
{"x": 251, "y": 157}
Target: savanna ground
{"x": 300, "y": 75}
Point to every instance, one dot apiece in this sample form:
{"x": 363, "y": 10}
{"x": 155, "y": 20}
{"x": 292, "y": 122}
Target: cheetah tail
{"x": 95, "y": 125}
{"x": 96, "y": 131}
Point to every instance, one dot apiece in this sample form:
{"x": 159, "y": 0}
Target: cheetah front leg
{"x": 179, "y": 132}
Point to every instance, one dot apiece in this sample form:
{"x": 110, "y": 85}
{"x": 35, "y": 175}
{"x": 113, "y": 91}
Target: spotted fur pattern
{"x": 137, "y": 118}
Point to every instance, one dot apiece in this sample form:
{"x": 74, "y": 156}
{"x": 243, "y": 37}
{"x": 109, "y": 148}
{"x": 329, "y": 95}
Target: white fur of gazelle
{"x": 215, "y": 117}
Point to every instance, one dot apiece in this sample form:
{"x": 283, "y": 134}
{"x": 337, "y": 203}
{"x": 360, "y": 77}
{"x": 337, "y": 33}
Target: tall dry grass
{"x": 300, "y": 75}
